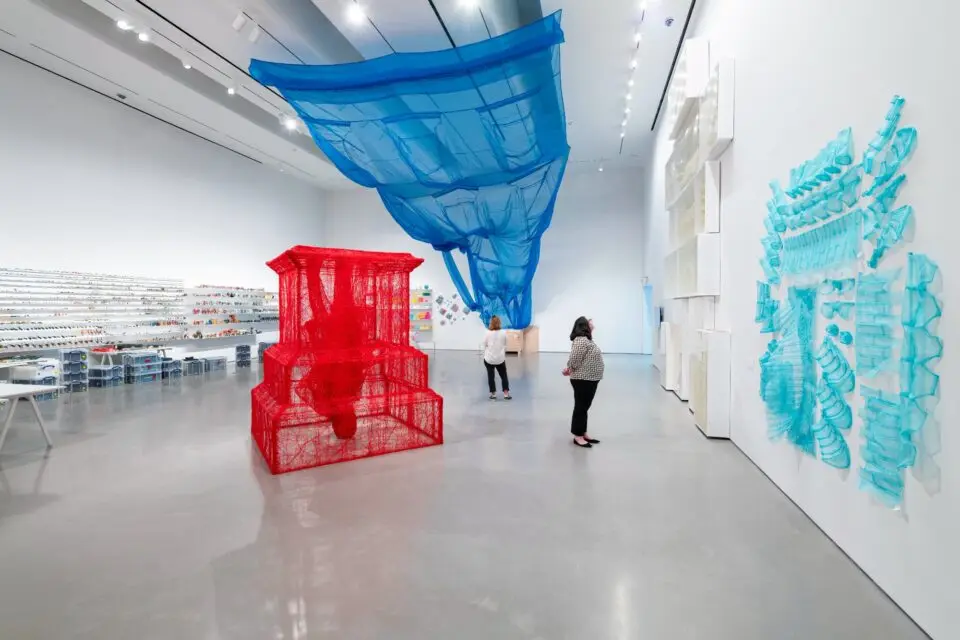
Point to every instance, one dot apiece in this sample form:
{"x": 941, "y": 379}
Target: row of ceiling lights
{"x": 642, "y": 6}
{"x": 289, "y": 122}
{"x": 634, "y": 63}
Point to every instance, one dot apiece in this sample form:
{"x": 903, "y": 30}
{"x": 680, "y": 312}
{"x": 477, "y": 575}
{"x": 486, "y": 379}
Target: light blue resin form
{"x": 821, "y": 223}
{"x": 788, "y": 373}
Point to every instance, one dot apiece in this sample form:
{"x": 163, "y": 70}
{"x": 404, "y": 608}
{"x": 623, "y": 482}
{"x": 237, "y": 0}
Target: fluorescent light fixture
{"x": 124, "y": 25}
{"x": 355, "y": 14}
{"x": 143, "y": 36}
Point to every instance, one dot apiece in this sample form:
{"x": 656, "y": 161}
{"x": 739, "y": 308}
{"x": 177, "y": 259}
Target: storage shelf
{"x": 716, "y": 111}
{"x": 693, "y": 270}
{"x": 688, "y": 83}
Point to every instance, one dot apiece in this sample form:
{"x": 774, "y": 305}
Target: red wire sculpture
{"x": 343, "y": 382}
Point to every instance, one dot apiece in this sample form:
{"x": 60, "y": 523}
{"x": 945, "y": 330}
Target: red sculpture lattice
{"x": 343, "y": 382}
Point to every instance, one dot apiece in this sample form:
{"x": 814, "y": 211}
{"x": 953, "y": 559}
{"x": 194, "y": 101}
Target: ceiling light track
{"x": 204, "y": 45}
{"x": 129, "y": 106}
{"x": 673, "y": 65}
{"x": 442, "y": 24}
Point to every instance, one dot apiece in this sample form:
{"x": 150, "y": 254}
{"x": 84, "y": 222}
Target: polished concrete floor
{"x": 154, "y": 518}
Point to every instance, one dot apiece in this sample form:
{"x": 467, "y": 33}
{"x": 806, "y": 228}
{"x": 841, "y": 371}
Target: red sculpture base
{"x": 343, "y": 383}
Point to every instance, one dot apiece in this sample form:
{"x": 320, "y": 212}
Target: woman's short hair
{"x": 495, "y": 323}
{"x": 581, "y": 328}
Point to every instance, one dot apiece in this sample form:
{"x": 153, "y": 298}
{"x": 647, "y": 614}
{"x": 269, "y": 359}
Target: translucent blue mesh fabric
{"x": 467, "y": 148}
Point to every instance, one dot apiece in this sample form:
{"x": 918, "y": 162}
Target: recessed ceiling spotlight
{"x": 231, "y": 90}
{"x": 355, "y": 14}
{"x": 187, "y": 65}
{"x": 638, "y": 37}
{"x": 289, "y": 123}
{"x": 124, "y": 24}
{"x": 629, "y": 97}
{"x": 627, "y": 111}
{"x": 600, "y": 169}
{"x": 623, "y": 134}
{"x": 624, "y": 123}
{"x": 143, "y": 36}
{"x": 630, "y": 82}
{"x": 644, "y": 5}
{"x": 469, "y": 4}
{"x": 633, "y": 63}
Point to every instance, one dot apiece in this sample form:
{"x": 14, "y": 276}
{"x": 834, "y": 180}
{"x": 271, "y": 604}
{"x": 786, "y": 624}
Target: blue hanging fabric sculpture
{"x": 466, "y": 146}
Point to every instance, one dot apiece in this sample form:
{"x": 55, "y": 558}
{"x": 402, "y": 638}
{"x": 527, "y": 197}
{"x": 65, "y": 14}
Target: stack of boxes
{"x": 140, "y": 368}
{"x": 171, "y": 369}
{"x": 243, "y": 356}
{"x": 106, "y": 375}
{"x": 73, "y": 369}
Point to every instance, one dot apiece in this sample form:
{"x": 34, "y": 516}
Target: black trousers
{"x": 583, "y": 393}
{"x": 502, "y": 370}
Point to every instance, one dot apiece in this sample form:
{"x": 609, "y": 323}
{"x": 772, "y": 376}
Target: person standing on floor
{"x": 495, "y": 358}
{"x": 585, "y": 369}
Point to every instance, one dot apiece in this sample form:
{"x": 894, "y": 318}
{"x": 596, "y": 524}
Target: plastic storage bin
{"x": 243, "y": 359}
{"x": 192, "y": 367}
{"x": 106, "y": 382}
{"x": 218, "y": 363}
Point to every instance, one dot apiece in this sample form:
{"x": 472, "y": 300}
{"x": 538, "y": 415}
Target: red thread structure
{"x": 343, "y": 382}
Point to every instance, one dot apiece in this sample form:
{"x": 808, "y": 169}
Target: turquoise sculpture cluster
{"x": 839, "y": 220}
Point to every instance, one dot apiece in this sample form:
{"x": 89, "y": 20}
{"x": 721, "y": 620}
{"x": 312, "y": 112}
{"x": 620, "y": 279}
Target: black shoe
{"x": 507, "y": 396}
{"x": 585, "y": 446}
{"x": 592, "y": 441}
{"x": 493, "y": 396}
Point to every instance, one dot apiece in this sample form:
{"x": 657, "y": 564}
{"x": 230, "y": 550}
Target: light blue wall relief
{"x": 838, "y": 224}
{"x": 788, "y": 374}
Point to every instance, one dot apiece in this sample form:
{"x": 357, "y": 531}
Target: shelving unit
{"x": 710, "y": 383}
{"x": 696, "y": 210}
{"x": 716, "y": 108}
{"x": 688, "y": 83}
{"x": 214, "y": 311}
{"x": 693, "y": 356}
{"x": 421, "y": 315}
{"x": 52, "y": 310}
{"x": 693, "y": 269}
{"x": 271, "y": 306}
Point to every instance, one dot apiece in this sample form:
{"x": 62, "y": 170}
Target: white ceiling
{"x": 79, "y": 40}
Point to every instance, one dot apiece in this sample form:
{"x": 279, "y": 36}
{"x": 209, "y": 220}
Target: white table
{"x": 29, "y": 392}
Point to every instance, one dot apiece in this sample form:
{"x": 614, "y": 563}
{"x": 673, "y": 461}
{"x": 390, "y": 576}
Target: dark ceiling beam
{"x": 673, "y": 65}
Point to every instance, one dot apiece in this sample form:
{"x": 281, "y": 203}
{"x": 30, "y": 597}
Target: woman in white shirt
{"x": 495, "y": 358}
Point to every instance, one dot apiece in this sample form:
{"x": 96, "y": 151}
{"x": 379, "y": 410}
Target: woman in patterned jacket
{"x": 585, "y": 369}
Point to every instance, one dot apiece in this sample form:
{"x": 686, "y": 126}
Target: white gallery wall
{"x": 87, "y": 184}
{"x": 590, "y": 262}
{"x": 804, "y": 71}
